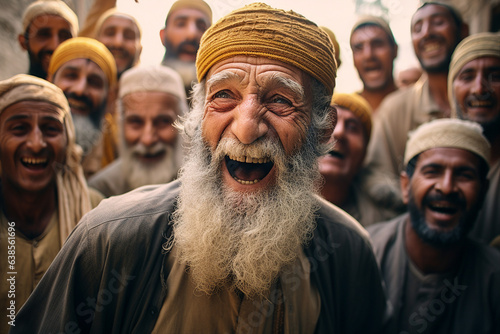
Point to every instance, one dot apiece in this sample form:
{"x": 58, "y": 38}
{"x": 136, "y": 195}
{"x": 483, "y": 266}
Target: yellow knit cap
{"x": 196, "y": 4}
{"x": 262, "y": 31}
{"x": 486, "y": 44}
{"x": 358, "y": 106}
{"x": 450, "y": 133}
{"x": 336, "y": 45}
{"x": 114, "y": 12}
{"x": 88, "y": 48}
{"x": 50, "y": 7}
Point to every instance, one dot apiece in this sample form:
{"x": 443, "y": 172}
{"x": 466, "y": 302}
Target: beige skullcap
{"x": 453, "y": 11}
{"x": 87, "y": 48}
{"x": 114, "y": 12}
{"x": 152, "y": 78}
{"x": 449, "y": 133}
{"x": 196, "y": 4}
{"x": 24, "y": 87}
{"x": 376, "y": 21}
{"x": 259, "y": 30}
{"x": 486, "y": 44}
{"x": 50, "y": 7}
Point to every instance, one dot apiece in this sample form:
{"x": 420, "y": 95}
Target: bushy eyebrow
{"x": 222, "y": 77}
{"x": 279, "y": 81}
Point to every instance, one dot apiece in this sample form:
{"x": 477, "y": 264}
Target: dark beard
{"x": 36, "y": 68}
{"x": 436, "y": 238}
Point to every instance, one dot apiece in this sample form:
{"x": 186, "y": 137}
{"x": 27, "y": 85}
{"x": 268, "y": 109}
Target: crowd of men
{"x": 231, "y": 189}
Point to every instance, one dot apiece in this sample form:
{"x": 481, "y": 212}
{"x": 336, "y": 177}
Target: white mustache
{"x": 141, "y": 149}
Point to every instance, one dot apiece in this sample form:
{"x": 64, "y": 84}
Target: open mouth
{"x": 430, "y": 47}
{"x": 247, "y": 170}
{"x": 443, "y": 207}
{"x": 336, "y": 154}
{"x": 34, "y": 163}
{"x": 480, "y": 104}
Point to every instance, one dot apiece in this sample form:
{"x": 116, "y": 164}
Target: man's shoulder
{"x": 108, "y": 179}
{"x": 338, "y": 222}
{"x": 485, "y": 256}
{"x": 132, "y": 214}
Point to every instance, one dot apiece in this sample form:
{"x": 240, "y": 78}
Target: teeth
{"x": 431, "y": 47}
{"x": 480, "y": 103}
{"x": 34, "y": 160}
{"x": 250, "y": 160}
{"x": 246, "y": 182}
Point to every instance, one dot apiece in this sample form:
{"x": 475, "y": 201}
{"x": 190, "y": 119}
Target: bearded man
{"x": 241, "y": 242}
{"x": 474, "y": 92}
{"x": 186, "y": 22}
{"x": 85, "y": 70}
{"x": 46, "y": 24}
{"x": 150, "y": 100}
{"x": 439, "y": 280}
{"x": 43, "y": 193}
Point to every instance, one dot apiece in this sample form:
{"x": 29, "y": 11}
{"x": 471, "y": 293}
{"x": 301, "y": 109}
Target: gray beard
{"x": 87, "y": 133}
{"x": 243, "y": 240}
{"x": 139, "y": 174}
{"x": 186, "y": 70}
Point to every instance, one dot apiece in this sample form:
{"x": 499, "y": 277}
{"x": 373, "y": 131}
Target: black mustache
{"x": 453, "y": 198}
{"x": 83, "y": 99}
{"x": 188, "y": 43}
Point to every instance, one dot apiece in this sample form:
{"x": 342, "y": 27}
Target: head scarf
{"x": 153, "y": 78}
{"x": 50, "y": 7}
{"x": 88, "y": 48}
{"x": 486, "y": 44}
{"x": 335, "y": 43}
{"x": 358, "y": 106}
{"x": 114, "y": 12}
{"x": 449, "y": 133}
{"x": 367, "y": 20}
{"x": 262, "y": 31}
{"x": 200, "y": 5}
{"x": 72, "y": 191}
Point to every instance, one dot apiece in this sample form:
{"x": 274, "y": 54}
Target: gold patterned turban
{"x": 262, "y": 31}
{"x": 88, "y": 48}
{"x": 72, "y": 192}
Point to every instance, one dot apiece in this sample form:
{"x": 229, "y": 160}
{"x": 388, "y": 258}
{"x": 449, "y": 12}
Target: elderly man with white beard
{"x": 241, "y": 242}
{"x": 150, "y": 99}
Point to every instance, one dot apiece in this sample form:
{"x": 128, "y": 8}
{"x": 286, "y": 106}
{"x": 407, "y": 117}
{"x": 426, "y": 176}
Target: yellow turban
{"x": 88, "y": 48}
{"x": 449, "y": 133}
{"x": 50, "y": 7}
{"x": 358, "y": 106}
{"x": 73, "y": 196}
{"x": 262, "y": 31}
{"x": 114, "y": 12}
{"x": 152, "y": 78}
{"x": 196, "y": 4}
{"x": 486, "y": 44}
{"x": 376, "y": 21}
{"x": 335, "y": 43}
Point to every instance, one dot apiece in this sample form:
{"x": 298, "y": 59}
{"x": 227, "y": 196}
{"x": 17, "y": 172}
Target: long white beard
{"x": 243, "y": 239}
{"x": 139, "y": 174}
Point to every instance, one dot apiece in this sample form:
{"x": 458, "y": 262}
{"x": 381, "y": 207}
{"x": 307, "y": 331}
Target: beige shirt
{"x": 188, "y": 311}
{"x": 32, "y": 259}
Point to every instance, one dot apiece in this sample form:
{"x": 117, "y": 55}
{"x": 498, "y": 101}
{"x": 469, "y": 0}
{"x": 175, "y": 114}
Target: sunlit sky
{"x": 338, "y": 15}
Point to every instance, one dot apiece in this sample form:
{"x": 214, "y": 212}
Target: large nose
{"x": 339, "y": 131}
{"x": 480, "y": 85}
{"x": 35, "y": 141}
{"x": 117, "y": 40}
{"x": 248, "y": 123}
{"x": 446, "y": 183}
{"x": 149, "y": 136}
{"x": 192, "y": 32}
{"x": 79, "y": 86}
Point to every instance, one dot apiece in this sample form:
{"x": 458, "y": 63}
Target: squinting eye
{"x": 222, "y": 95}
{"x": 280, "y": 99}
